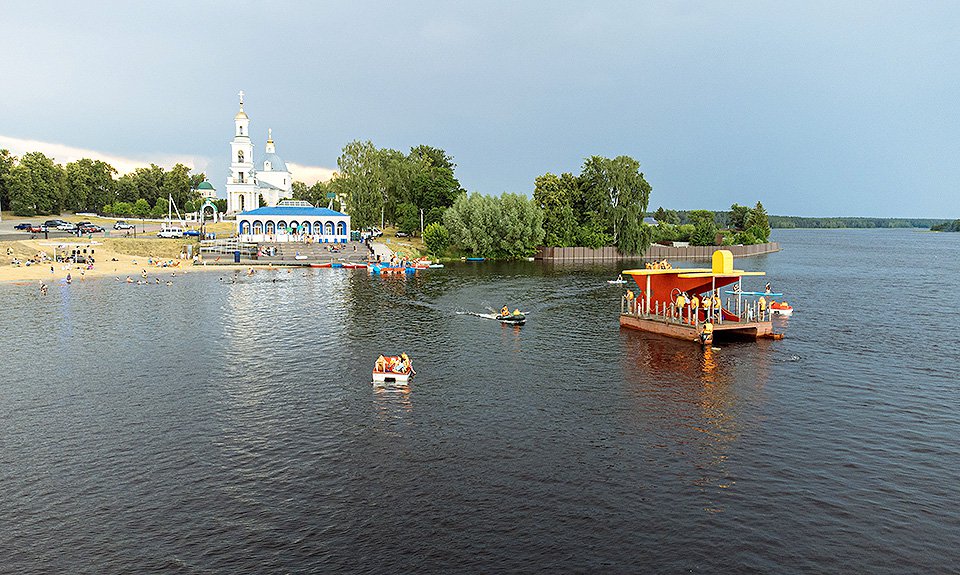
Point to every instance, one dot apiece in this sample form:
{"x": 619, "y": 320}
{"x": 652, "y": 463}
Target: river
{"x": 218, "y": 427}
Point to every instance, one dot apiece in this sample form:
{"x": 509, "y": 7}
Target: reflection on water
{"x": 703, "y": 390}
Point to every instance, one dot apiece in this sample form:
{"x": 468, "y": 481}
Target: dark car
{"x": 195, "y": 233}
{"x": 24, "y": 226}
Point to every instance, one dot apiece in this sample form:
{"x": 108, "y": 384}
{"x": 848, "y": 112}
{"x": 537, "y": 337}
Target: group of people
{"x": 712, "y": 306}
{"x": 505, "y": 311}
{"x": 394, "y": 364}
{"x": 39, "y": 258}
{"x": 660, "y": 265}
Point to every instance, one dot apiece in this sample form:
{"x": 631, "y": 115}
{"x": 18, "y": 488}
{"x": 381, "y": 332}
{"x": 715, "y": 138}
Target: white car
{"x": 170, "y": 233}
{"x": 122, "y": 225}
{"x": 67, "y": 227}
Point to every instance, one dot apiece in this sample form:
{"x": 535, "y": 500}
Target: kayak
{"x": 476, "y": 259}
{"x": 616, "y": 281}
{"x": 754, "y": 293}
{"x": 435, "y": 266}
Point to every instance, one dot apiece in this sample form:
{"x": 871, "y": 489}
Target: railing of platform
{"x": 666, "y": 313}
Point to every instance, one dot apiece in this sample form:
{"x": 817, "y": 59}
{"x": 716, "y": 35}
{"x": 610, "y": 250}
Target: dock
{"x": 660, "y": 305}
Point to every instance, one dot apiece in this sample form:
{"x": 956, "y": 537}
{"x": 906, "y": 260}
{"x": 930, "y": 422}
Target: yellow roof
{"x": 730, "y": 274}
{"x": 661, "y": 272}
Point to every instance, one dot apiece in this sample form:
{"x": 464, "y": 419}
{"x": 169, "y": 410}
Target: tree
{"x": 437, "y": 239}
{"x": 7, "y": 160}
{"x": 408, "y": 218}
{"x": 176, "y": 184}
{"x": 618, "y": 193}
{"x": 738, "y": 217}
{"x": 666, "y": 216}
{"x": 705, "y": 228}
{"x": 88, "y": 185}
{"x": 361, "y": 178}
{"x": 262, "y": 203}
{"x": 757, "y": 223}
{"x": 160, "y": 208}
{"x": 505, "y": 227}
{"x": 141, "y": 208}
{"x": 554, "y": 197}
{"x": 35, "y": 185}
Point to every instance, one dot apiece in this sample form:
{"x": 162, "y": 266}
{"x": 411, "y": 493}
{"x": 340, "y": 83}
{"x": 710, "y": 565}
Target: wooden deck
{"x": 688, "y": 332}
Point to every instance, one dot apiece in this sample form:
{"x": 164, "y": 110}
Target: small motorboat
{"x": 320, "y": 265}
{"x": 435, "y": 266}
{"x": 781, "y": 308}
{"x": 512, "y": 319}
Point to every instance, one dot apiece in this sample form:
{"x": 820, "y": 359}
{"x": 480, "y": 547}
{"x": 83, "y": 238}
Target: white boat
{"x": 390, "y": 377}
{"x": 616, "y": 281}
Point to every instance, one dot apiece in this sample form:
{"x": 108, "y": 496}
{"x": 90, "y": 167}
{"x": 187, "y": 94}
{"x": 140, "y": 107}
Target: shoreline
{"x": 108, "y": 263}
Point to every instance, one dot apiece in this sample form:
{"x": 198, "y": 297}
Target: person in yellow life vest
{"x": 762, "y": 305}
{"x": 694, "y": 307}
{"x": 629, "y": 297}
{"x": 717, "y": 305}
{"x": 381, "y": 364}
{"x": 504, "y": 311}
{"x": 681, "y": 301}
{"x": 707, "y": 303}
{"x": 516, "y": 312}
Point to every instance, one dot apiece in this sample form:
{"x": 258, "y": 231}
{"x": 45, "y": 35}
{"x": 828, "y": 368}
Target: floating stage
{"x": 705, "y": 317}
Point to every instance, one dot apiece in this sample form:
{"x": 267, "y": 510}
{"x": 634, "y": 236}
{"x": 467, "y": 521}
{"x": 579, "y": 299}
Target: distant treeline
{"x": 725, "y": 218}
{"x": 953, "y": 226}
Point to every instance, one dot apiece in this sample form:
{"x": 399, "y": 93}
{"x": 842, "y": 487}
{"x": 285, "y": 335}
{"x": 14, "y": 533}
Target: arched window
{"x": 240, "y": 157}
{"x": 244, "y": 227}
{"x": 293, "y": 226}
{"x": 328, "y": 228}
{"x": 271, "y": 228}
{"x": 341, "y": 229}
{"x": 281, "y": 227}
{"x": 257, "y": 227}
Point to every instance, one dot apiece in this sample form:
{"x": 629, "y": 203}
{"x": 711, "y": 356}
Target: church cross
{"x": 241, "y": 98}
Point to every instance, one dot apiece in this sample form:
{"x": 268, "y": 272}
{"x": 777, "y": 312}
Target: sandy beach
{"x": 108, "y": 262}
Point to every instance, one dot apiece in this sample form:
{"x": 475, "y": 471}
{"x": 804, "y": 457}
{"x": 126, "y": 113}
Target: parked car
{"x": 66, "y": 227}
{"x": 403, "y": 235}
{"x": 24, "y": 226}
{"x": 38, "y": 228}
{"x": 194, "y": 233}
{"x": 171, "y": 232}
{"x": 122, "y": 225}
{"x": 90, "y": 228}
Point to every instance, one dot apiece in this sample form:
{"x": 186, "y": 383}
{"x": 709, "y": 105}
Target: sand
{"x": 108, "y": 262}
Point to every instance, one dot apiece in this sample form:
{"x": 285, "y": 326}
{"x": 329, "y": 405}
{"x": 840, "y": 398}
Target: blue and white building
{"x": 293, "y": 221}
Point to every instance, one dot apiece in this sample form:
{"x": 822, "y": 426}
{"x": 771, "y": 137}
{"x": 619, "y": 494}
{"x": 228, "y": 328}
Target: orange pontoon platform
{"x": 654, "y": 308}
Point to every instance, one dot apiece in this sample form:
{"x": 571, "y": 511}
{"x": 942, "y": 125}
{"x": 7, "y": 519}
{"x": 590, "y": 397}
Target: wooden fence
{"x": 654, "y": 252}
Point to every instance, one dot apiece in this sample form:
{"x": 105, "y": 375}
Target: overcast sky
{"x": 814, "y": 108}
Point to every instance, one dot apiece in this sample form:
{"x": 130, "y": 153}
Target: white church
{"x": 247, "y": 182}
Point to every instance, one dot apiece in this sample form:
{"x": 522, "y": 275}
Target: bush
{"x": 437, "y": 239}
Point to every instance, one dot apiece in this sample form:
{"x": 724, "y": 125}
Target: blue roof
{"x": 276, "y": 164}
{"x": 291, "y": 211}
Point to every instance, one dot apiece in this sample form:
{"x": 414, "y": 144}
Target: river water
{"x": 217, "y": 427}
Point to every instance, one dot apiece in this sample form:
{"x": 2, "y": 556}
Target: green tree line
{"x": 35, "y": 185}
{"x": 953, "y": 226}
{"x": 603, "y": 205}
{"x": 385, "y": 186}
{"x": 741, "y": 225}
